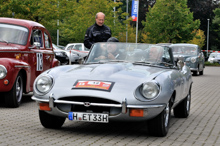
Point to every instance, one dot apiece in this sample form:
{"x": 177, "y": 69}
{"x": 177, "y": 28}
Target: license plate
{"x": 88, "y": 117}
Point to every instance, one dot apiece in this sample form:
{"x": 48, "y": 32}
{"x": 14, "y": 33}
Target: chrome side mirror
{"x": 37, "y": 44}
{"x": 180, "y": 64}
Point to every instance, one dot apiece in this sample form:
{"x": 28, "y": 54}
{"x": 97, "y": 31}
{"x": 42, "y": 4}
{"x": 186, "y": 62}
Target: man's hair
{"x": 99, "y": 13}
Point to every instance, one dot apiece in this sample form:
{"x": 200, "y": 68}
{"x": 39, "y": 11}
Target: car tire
{"x": 182, "y": 110}
{"x": 159, "y": 125}
{"x": 201, "y": 72}
{"x": 14, "y": 96}
{"x": 50, "y": 121}
{"x": 195, "y": 73}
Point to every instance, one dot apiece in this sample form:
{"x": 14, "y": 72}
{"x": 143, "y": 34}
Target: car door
{"x": 36, "y": 55}
{"x": 41, "y": 57}
{"x": 78, "y": 49}
{"x": 47, "y": 52}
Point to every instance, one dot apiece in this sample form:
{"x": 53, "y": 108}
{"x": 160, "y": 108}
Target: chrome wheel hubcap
{"x": 19, "y": 89}
{"x": 167, "y": 114}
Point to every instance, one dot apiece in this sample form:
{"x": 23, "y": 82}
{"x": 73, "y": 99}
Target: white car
{"x": 77, "y": 48}
{"x": 214, "y": 57}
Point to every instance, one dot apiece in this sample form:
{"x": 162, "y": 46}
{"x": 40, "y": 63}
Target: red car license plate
{"x": 88, "y": 117}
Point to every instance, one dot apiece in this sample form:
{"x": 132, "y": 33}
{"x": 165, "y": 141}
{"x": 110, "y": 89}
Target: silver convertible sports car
{"x": 117, "y": 82}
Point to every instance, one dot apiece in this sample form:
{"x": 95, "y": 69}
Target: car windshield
{"x": 13, "y": 34}
{"x": 130, "y": 52}
{"x": 184, "y": 50}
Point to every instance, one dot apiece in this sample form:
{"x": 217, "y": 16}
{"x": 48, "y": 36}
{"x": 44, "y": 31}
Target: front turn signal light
{"x": 44, "y": 106}
{"x": 136, "y": 112}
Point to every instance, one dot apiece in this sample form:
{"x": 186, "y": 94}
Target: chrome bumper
{"x": 194, "y": 69}
{"x": 152, "y": 110}
{"x": 123, "y": 105}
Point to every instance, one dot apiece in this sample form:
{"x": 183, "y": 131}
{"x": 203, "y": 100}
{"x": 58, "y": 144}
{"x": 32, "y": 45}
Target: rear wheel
{"x": 182, "y": 110}
{"x": 159, "y": 126}
{"x": 50, "y": 121}
{"x": 14, "y": 96}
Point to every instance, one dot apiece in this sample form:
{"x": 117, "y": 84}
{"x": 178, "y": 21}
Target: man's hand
{"x": 100, "y": 57}
{"x": 111, "y": 56}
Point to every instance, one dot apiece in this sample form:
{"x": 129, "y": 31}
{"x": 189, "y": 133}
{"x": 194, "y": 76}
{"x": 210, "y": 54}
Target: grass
{"x": 211, "y": 64}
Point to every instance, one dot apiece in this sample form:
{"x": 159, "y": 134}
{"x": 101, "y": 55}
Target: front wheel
{"x": 195, "y": 73}
{"x": 14, "y": 96}
{"x": 50, "y": 121}
{"x": 159, "y": 126}
{"x": 182, "y": 110}
{"x": 201, "y": 72}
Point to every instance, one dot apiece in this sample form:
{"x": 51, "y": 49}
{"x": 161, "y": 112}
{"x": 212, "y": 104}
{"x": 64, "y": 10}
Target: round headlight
{"x": 44, "y": 84}
{"x": 193, "y": 59}
{"x": 3, "y": 71}
{"x": 150, "y": 90}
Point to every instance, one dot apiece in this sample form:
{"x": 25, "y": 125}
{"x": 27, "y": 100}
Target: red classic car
{"x": 25, "y": 52}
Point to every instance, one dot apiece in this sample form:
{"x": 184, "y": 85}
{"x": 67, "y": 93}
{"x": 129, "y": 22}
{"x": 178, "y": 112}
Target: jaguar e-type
{"x": 117, "y": 82}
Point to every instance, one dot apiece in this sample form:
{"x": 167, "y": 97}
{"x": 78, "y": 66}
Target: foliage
{"x": 42, "y": 11}
{"x": 211, "y": 64}
{"x": 198, "y": 39}
{"x": 169, "y": 21}
{"x": 216, "y": 30}
{"x": 131, "y": 34}
{"x": 203, "y": 10}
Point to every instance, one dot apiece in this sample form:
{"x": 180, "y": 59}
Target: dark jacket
{"x": 96, "y": 33}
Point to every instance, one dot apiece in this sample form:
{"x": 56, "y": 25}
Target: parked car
{"x": 130, "y": 87}
{"x": 61, "y": 47}
{"x": 192, "y": 55}
{"x": 78, "y": 48}
{"x": 214, "y": 57}
{"x": 73, "y": 57}
{"x": 25, "y": 52}
{"x": 61, "y": 55}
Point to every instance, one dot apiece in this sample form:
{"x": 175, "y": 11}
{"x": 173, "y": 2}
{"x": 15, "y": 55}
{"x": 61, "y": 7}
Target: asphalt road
{"x": 21, "y": 126}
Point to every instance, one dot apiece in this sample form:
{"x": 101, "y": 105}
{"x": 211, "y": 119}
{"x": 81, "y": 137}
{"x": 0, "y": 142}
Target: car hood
{"x": 110, "y": 72}
{"x": 125, "y": 78}
{"x": 180, "y": 56}
{"x": 10, "y": 47}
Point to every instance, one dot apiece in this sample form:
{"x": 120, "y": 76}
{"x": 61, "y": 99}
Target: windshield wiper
{"x": 117, "y": 61}
{"x": 158, "y": 64}
{"x": 166, "y": 64}
{"x": 2, "y": 40}
{"x": 142, "y": 63}
{"x": 97, "y": 62}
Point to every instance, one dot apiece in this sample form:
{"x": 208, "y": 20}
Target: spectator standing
{"x": 98, "y": 32}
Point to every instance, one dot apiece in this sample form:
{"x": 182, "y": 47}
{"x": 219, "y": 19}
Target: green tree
{"x": 216, "y": 30}
{"x": 36, "y": 10}
{"x": 203, "y": 10}
{"x": 198, "y": 39}
{"x": 169, "y": 21}
{"x": 42, "y": 11}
